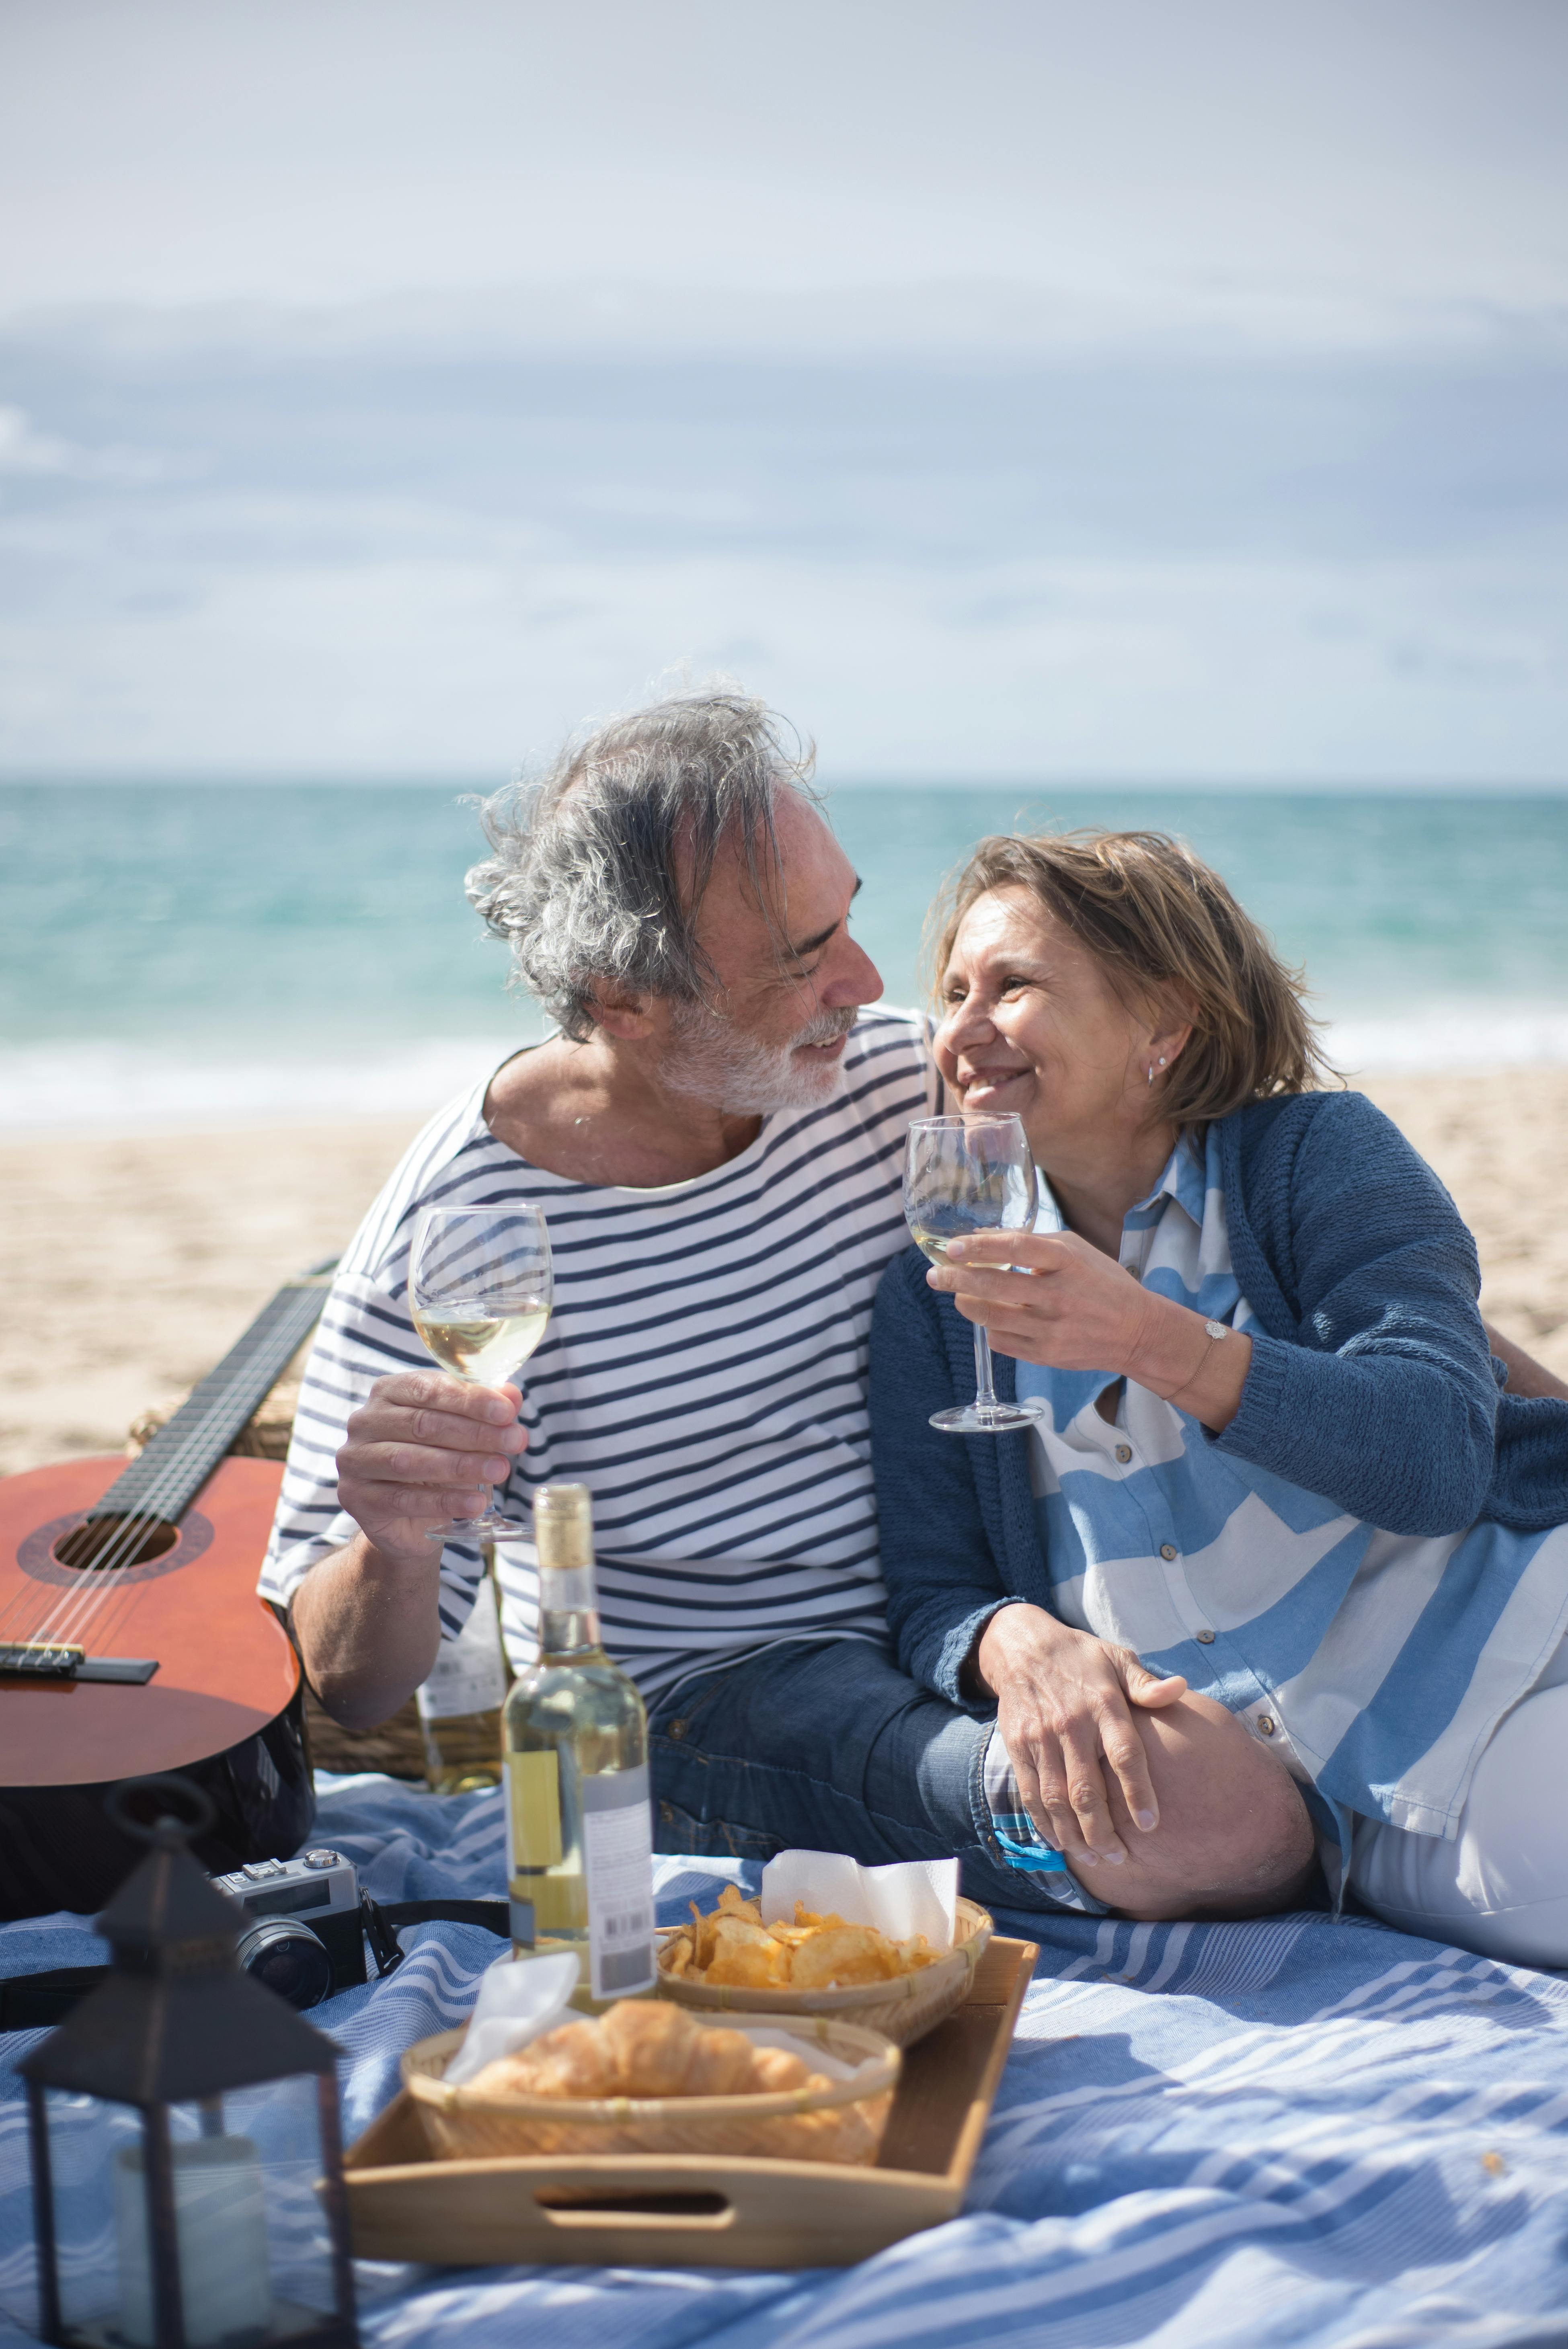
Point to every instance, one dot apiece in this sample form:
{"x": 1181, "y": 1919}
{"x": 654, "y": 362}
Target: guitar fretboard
{"x": 184, "y": 1453}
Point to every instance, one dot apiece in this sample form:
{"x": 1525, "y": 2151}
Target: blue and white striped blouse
{"x": 1375, "y": 1664}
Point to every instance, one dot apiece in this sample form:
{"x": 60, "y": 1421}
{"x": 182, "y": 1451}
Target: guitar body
{"x": 225, "y": 1669}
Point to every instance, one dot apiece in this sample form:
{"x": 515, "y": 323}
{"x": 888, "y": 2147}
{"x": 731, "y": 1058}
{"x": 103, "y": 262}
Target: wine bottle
{"x": 579, "y": 1842}
{"x": 459, "y": 1701}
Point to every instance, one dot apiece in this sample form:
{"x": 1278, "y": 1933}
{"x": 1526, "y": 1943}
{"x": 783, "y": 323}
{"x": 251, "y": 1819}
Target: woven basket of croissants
{"x": 646, "y": 2077}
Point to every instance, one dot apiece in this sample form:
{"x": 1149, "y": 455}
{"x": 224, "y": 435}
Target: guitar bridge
{"x": 46, "y": 1660}
{"x": 57, "y": 1660}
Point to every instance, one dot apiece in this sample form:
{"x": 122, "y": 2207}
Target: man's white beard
{"x": 710, "y": 1062}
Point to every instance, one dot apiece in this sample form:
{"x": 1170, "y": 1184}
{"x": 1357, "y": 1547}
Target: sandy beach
{"x": 129, "y": 1264}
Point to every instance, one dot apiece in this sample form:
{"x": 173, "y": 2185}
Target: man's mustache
{"x": 826, "y": 1028}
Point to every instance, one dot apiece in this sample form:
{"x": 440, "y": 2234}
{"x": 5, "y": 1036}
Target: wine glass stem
{"x": 985, "y": 1392}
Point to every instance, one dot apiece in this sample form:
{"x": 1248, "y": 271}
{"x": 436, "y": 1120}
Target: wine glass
{"x": 963, "y": 1176}
{"x": 480, "y": 1288}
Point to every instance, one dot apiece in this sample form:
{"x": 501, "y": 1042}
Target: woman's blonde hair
{"x": 1165, "y": 929}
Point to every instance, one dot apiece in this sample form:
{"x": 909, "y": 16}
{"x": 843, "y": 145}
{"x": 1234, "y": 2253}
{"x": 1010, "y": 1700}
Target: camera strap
{"x": 36, "y": 2001}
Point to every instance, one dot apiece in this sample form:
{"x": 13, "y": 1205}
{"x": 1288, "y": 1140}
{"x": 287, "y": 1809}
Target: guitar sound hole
{"x": 102, "y": 1544}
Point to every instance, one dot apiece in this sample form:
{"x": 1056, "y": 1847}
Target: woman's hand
{"x": 1073, "y": 1309}
{"x": 1071, "y": 1306}
{"x": 1064, "y": 1704}
{"x": 423, "y": 1448}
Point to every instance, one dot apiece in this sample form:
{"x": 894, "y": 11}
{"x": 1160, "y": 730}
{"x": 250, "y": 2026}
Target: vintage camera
{"x": 307, "y": 1938}
{"x": 304, "y": 1935}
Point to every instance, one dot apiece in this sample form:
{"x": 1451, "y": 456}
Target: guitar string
{"x": 86, "y": 1602}
{"x": 66, "y": 1622}
{"x": 82, "y": 1598}
{"x": 87, "y": 1588}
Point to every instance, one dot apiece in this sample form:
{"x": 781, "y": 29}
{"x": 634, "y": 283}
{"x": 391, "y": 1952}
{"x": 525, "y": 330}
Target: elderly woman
{"x": 1276, "y": 1545}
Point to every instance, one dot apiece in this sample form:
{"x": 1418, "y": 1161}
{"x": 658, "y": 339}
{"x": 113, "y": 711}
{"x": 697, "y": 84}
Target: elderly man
{"x": 715, "y": 1133}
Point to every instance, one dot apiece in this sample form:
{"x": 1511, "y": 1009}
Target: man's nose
{"x": 855, "y": 978}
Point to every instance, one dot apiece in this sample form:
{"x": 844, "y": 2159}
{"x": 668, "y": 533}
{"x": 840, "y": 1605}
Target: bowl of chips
{"x": 820, "y": 1966}
{"x": 648, "y": 2077}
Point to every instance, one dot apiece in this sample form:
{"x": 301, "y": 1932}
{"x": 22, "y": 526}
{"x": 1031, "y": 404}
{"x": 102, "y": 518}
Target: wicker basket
{"x": 265, "y": 1435}
{"x": 902, "y": 2009}
{"x": 843, "y": 2121}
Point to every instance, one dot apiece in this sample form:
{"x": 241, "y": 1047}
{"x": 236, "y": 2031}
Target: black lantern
{"x": 187, "y": 2159}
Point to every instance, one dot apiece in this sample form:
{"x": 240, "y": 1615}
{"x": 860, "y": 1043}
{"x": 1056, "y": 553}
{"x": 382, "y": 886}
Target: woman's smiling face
{"x": 1030, "y": 1023}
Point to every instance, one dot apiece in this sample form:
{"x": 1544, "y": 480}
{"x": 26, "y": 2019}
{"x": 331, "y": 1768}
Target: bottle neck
{"x": 569, "y": 1612}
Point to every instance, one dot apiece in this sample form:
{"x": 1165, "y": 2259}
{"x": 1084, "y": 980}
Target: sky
{"x": 1011, "y": 390}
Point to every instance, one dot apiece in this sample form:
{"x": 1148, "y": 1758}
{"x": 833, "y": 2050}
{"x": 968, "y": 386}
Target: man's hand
{"x": 1064, "y": 1702}
{"x": 423, "y": 1448}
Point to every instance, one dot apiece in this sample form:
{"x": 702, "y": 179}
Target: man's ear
{"x": 623, "y": 1013}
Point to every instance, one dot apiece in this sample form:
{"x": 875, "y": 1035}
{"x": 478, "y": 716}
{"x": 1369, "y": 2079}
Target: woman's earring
{"x": 1162, "y": 1060}
{"x": 1151, "y": 1076}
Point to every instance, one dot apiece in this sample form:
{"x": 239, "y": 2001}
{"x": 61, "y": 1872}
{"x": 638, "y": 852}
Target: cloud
{"x": 1024, "y": 390}
{"x": 24, "y": 450}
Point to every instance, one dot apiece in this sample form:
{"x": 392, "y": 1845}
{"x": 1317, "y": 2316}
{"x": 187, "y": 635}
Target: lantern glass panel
{"x": 86, "y": 2138}
{"x": 255, "y": 2245}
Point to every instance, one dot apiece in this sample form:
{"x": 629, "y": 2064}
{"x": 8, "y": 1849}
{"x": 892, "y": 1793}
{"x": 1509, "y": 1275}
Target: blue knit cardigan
{"x": 1371, "y": 1381}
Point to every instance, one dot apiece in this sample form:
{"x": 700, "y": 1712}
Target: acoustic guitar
{"x": 132, "y": 1637}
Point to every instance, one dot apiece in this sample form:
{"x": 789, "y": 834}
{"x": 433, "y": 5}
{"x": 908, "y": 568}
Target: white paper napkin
{"x": 913, "y": 1895}
{"x": 519, "y": 1999}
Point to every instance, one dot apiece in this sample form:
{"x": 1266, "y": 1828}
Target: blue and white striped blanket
{"x": 1291, "y": 2132}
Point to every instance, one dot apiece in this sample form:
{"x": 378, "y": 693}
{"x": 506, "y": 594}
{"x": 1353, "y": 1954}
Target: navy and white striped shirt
{"x": 703, "y": 1372}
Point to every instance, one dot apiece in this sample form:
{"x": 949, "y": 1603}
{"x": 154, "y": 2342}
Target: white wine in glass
{"x": 480, "y": 1290}
{"x": 964, "y": 1176}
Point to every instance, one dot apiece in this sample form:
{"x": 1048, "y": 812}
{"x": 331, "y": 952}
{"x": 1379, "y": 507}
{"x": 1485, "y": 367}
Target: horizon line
{"x": 1329, "y": 786}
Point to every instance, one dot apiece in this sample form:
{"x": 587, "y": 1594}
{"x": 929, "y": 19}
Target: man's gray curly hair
{"x": 585, "y": 882}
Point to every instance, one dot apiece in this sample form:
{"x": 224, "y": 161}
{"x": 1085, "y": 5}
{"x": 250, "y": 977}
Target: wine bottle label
{"x": 617, "y": 1858}
{"x": 533, "y": 1810}
{"x": 469, "y": 1674}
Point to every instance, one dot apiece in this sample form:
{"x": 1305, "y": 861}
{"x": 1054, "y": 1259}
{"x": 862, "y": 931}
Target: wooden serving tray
{"x": 686, "y": 2210}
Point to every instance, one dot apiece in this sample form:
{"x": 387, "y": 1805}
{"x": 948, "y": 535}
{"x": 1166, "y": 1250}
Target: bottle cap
{"x": 564, "y": 1526}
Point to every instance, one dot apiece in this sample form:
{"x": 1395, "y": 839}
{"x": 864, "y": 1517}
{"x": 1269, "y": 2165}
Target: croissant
{"x": 643, "y": 2048}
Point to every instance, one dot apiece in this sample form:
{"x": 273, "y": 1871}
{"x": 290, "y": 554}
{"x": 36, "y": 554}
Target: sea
{"x": 179, "y": 954}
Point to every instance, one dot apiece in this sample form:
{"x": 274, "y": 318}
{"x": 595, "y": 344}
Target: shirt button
{"x": 1124, "y": 1452}
{"x": 1265, "y": 1724}
{"x": 1204, "y": 1639}
{"x": 1168, "y": 1551}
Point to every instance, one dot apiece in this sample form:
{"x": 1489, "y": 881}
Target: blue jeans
{"x": 824, "y": 1745}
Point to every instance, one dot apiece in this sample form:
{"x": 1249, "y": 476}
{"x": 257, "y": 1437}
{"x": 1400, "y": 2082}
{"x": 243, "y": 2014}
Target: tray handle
{"x": 701, "y": 2210}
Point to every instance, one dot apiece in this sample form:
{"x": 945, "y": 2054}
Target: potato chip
{"x": 843, "y": 1955}
{"x": 732, "y": 1946}
{"x": 748, "y": 1955}
{"x": 913, "y": 1955}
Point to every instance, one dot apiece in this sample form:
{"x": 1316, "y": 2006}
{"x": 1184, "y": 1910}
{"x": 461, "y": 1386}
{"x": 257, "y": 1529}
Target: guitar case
{"x": 59, "y": 1849}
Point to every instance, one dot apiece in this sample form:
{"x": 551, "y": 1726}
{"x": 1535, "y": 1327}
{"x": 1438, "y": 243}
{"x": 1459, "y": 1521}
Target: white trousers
{"x": 1500, "y": 1887}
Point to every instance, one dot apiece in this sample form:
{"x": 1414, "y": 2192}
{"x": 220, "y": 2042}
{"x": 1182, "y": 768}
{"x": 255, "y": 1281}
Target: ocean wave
{"x": 79, "y": 1085}
{"x": 1464, "y": 1034}
{"x": 104, "y": 1086}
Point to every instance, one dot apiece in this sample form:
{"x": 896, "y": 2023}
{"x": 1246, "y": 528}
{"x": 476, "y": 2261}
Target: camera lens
{"x": 290, "y": 1959}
